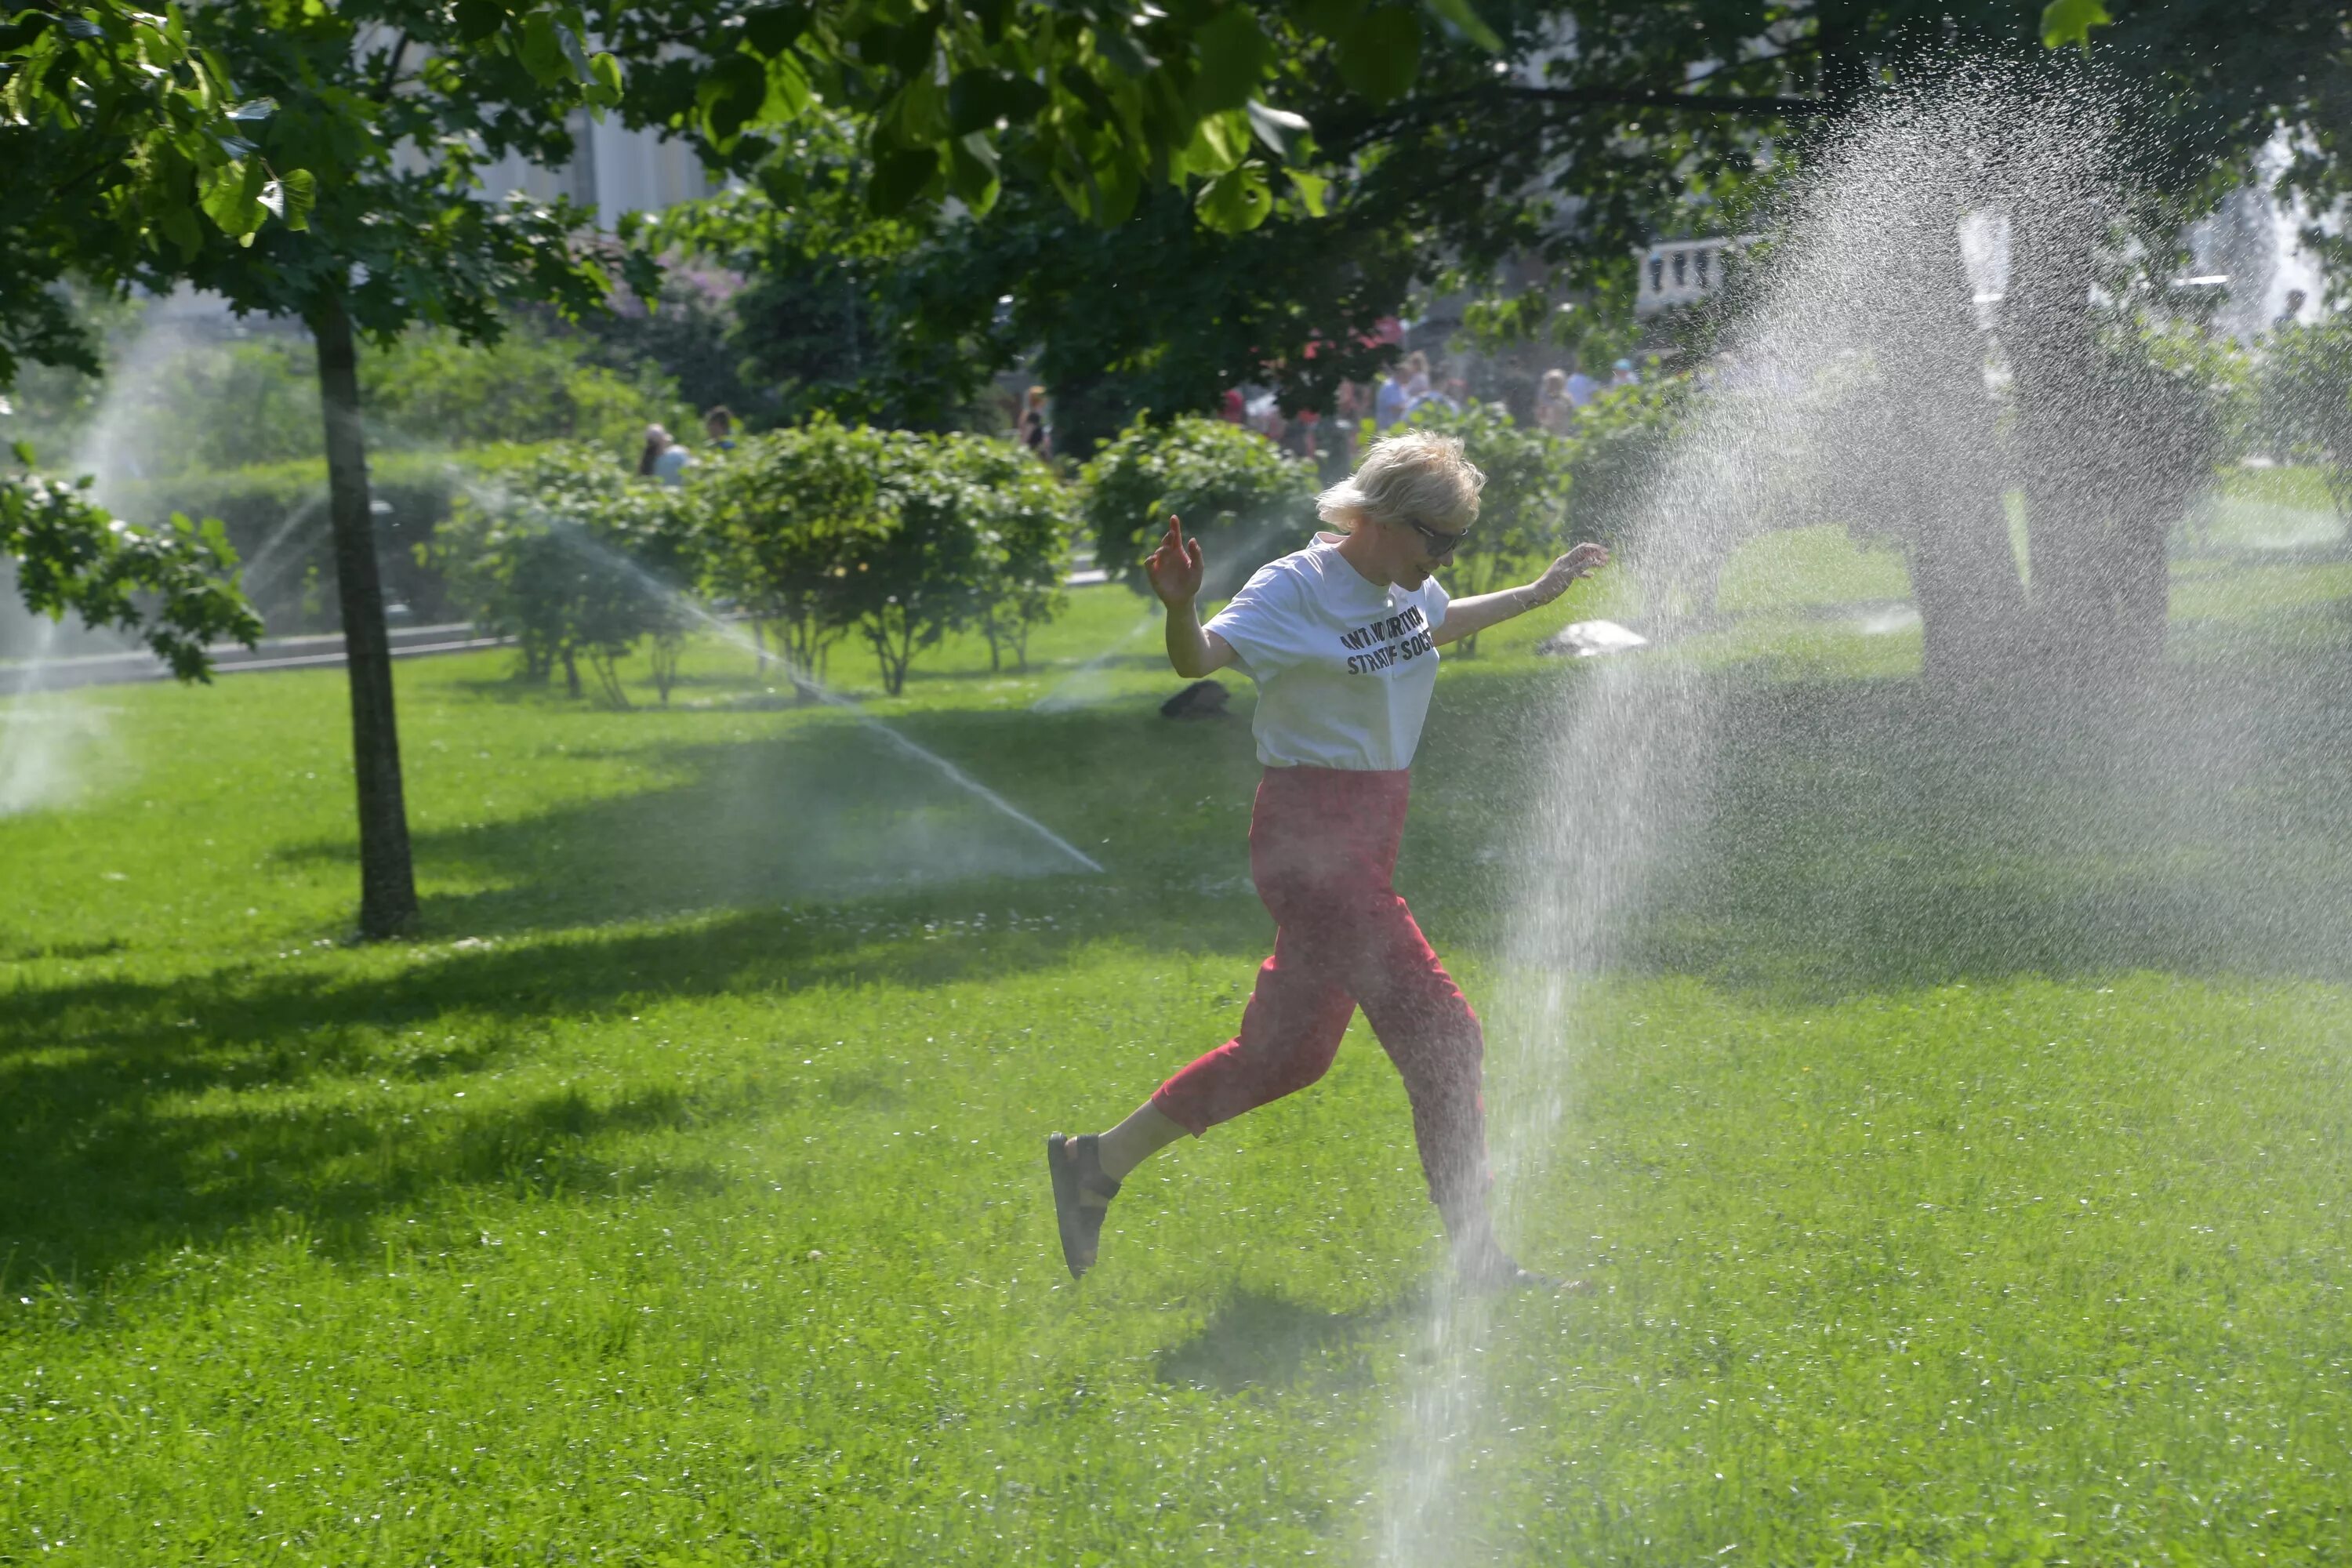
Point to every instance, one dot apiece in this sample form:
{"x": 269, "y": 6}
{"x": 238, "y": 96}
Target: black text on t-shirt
{"x": 1391, "y": 640}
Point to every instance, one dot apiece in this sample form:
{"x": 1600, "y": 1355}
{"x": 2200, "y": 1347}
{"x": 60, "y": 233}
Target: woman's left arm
{"x": 1468, "y": 618}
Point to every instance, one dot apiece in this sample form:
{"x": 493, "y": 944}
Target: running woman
{"x": 1342, "y": 639}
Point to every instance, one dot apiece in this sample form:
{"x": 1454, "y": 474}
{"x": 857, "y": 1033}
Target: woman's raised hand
{"x": 1577, "y": 563}
{"x": 1175, "y": 567}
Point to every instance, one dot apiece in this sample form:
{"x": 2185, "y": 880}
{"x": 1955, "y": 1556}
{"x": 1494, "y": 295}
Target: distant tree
{"x": 533, "y": 384}
{"x": 686, "y": 329}
{"x": 834, "y": 315}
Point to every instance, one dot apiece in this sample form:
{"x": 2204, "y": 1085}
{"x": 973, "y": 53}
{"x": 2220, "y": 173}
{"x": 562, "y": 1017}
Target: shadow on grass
{"x": 1260, "y": 1340}
{"x": 828, "y": 811}
{"x": 1857, "y": 835}
{"x": 1872, "y": 835}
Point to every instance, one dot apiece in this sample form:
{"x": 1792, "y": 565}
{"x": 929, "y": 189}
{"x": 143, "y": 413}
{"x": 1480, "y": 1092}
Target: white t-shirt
{"x": 1344, "y": 667}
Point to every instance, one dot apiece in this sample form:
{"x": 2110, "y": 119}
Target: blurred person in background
{"x": 1554, "y": 412}
{"x": 1389, "y": 402}
{"x": 718, "y": 424}
{"x": 1346, "y": 425}
{"x": 1416, "y": 376}
{"x": 663, "y": 458}
{"x": 1035, "y": 433}
{"x": 1441, "y": 400}
{"x": 1581, "y": 388}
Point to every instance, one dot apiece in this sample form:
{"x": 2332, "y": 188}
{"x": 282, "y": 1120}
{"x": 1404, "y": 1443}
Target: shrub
{"x": 579, "y": 560}
{"x": 1522, "y": 512}
{"x": 1245, "y": 501}
{"x": 824, "y": 530}
{"x": 783, "y": 521}
{"x": 2303, "y": 399}
{"x": 530, "y": 386}
{"x": 1020, "y": 519}
{"x": 1615, "y": 446}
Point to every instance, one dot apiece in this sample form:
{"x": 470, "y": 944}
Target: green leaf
{"x": 1088, "y": 91}
{"x": 574, "y": 54}
{"x": 1278, "y": 128}
{"x": 788, "y": 91}
{"x": 180, "y": 226}
{"x": 1468, "y": 23}
{"x": 1380, "y": 57}
{"x": 731, "y": 92}
{"x": 900, "y": 175}
{"x": 774, "y": 30}
{"x": 1236, "y": 200}
{"x": 2067, "y": 22}
{"x": 232, "y": 196}
{"x": 605, "y": 81}
{"x": 1330, "y": 18}
{"x": 301, "y": 190}
{"x": 1233, "y": 55}
{"x": 917, "y": 117}
{"x": 1310, "y": 190}
{"x": 978, "y": 100}
{"x": 1124, "y": 52}
{"x": 542, "y": 49}
{"x": 480, "y": 19}
{"x": 1219, "y": 143}
{"x": 972, "y": 173}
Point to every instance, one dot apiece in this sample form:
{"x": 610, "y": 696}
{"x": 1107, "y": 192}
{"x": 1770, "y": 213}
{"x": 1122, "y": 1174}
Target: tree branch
{"x": 1393, "y": 121}
{"x": 1698, "y": 102}
{"x": 392, "y": 69}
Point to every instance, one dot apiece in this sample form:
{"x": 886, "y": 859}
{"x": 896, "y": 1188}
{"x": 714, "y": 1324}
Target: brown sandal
{"x": 1077, "y": 1167}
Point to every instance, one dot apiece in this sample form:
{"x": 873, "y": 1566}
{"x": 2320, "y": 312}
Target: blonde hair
{"x": 1418, "y": 475}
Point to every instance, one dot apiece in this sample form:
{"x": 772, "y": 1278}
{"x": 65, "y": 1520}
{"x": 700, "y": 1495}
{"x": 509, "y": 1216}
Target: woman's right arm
{"x": 1175, "y": 572}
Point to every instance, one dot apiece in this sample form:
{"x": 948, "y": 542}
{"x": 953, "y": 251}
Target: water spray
{"x": 571, "y": 534}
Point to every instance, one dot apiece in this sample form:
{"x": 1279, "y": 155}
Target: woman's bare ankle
{"x": 1143, "y": 1134}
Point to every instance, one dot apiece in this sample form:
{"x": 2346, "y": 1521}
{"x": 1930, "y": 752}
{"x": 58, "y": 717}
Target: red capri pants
{"x": 1323, "y": 849}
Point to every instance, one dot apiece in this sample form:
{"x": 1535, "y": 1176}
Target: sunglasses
{"x": 1440, "y": 543}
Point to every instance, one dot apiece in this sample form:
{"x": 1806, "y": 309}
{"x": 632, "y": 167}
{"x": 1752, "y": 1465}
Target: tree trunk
{"x": 1956, "y": 531}
{"x": 387, "y": 880}
{"x": 2095, "y": 522}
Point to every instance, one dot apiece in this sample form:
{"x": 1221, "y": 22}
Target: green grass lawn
{"x": 1958, "y": 1149}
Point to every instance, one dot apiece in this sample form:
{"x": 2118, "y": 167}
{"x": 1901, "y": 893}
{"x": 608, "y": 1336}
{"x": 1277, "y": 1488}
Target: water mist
{"x": 1851, "y": 380}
